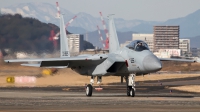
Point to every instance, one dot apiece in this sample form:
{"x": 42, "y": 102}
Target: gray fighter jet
{"x": 134, "y": 59}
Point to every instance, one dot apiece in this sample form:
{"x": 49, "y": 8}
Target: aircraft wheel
{"x": 132, "y": 92}
{"x": 128, "y": 90}
{"x": 89, "y": 90}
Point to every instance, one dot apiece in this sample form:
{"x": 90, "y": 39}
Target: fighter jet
{"x": 134, "y": 59}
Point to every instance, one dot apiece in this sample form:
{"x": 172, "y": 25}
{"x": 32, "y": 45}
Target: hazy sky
{"x": 152, "y": 10}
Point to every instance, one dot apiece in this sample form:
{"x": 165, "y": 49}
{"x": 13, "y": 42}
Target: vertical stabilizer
{"x": 64, "y": 48}
{"x": 113, "y": 39}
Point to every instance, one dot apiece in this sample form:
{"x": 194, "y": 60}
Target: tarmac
{"x": 149, "y": 98}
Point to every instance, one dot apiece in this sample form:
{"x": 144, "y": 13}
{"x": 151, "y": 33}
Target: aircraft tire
{"x": 89, "y": 89}
{"x": 128, "y": 90}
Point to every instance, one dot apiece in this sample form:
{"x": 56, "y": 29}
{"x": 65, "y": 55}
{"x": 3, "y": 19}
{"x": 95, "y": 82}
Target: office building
{"x": 166, "y": 37}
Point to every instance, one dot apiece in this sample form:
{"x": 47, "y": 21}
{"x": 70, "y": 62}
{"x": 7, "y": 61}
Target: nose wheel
{"x": 128, "y": 90}
{"x": 132, "y": 92}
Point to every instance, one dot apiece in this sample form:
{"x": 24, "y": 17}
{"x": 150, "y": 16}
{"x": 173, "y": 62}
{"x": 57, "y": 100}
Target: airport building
{"x": 184, "y": 45}
{"x": 168, "y": 53}
{"x": 148, "y": 38}
{"x": 75, "y": 42}
{"x": 166, "y": 37}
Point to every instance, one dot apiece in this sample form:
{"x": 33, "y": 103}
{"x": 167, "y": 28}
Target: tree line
{"x": 27, "y": 34}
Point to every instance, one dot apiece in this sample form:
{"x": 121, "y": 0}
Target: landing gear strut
{"x": 89, "y": 87}
{"x": 130, "y": 83}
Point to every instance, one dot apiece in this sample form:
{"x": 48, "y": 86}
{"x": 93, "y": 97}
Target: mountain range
{"x": 86, "y": 23}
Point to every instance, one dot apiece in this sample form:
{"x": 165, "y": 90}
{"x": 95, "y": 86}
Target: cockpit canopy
{"x": 138, "y": 45}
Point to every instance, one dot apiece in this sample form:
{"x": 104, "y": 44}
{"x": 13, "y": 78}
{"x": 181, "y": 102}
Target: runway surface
{"x": 113, "y": 98}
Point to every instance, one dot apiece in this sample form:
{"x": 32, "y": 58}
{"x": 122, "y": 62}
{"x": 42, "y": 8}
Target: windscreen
{"x": 138, "y": 45}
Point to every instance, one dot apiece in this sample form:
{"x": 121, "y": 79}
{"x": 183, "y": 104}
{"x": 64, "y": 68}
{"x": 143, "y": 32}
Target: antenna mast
{"x": 106, "y": 32}
{"x": 58, "y": 8}
{"x": 101, "y": 39}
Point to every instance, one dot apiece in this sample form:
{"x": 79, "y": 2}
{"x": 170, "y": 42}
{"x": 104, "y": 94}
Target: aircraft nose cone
{"x": 151, "y": 63}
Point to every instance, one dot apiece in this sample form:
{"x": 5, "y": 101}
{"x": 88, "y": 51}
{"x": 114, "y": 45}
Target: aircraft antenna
{"x": 106, "y": 32}
{"x": 101, "y": 39}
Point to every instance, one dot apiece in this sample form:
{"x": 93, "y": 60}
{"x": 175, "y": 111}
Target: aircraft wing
{"x": 174, "y": 59}
{"x": 63, "y": 62}
{"x": 38, "y": 65}
{"x": 45, "y": 59}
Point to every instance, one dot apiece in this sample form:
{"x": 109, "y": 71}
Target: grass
{"x": 187, "y": 88}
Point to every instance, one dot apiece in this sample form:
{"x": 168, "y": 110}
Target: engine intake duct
{"x": 116, "y": 66}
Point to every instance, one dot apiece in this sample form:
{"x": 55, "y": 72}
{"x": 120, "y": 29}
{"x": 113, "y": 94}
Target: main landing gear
{"x": 89, "y": 90}
{"x": 89, "y": 87}
{"x": 130, "y": 84}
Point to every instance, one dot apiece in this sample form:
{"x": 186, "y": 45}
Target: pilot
{"x": 139, "y": 44}
{"x": 140, "y": 47}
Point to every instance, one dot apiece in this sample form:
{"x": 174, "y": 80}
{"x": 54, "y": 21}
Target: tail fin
{"x": 64, "y": 48}
{"x": 113, "y": 39}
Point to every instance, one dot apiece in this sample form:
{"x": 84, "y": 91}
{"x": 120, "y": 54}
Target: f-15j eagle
{"x": 134, "y": 59}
